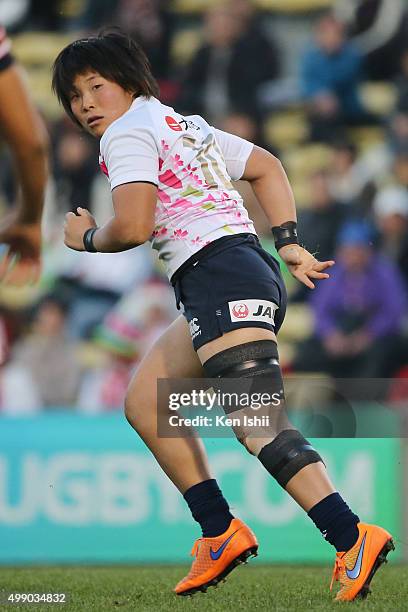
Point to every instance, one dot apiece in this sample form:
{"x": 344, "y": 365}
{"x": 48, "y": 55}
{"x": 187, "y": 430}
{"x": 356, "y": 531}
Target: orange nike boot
{"x": 217, "y": 557}
{"x": 355, "y": 568}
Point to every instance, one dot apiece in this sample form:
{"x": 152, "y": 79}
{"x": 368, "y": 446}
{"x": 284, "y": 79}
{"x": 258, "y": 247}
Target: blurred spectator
{"x": 48, "y": 357}
{"x": 398, "y": 124}
{"x": 93, "y": 284}
{"x": 96, "y": 13}
{"x": 75, "y": 165}
{"x": 350, "y": 181}
{"x": 46, "y": 15}
{"x": 104, "y": 388}
{"x": 330, "y": 77}
{"x": 19, "y": 395}
{"x": 320, "y": 222}
{"x": 150, "y": 22}
{"x": 125, "y": 335}
{"x": 18, "y": 392}
{"x": 400, "y": 169}
{"x": 401, "y": 83}
{"x": 398, "y": 133}
{"x": 13, "y": 13}
{"x": 226, "y": 72}
{"x": 138, "y": 319}
{"x": 358, "y": 312}
{"x": 379, "y": 29}
{"x": 391, "y": 214}
{"x": 244, "y": 126}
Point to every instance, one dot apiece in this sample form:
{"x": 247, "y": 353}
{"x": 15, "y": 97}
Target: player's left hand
{"x": 20, "y": 256}
{"x": 303, "y": 265}
{"x": 75, "y": 227}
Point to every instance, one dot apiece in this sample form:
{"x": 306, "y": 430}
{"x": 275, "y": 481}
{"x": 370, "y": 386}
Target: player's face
{"x": 97, "y": 102}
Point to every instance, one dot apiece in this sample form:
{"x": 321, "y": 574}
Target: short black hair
{"x": 114, "y": 55}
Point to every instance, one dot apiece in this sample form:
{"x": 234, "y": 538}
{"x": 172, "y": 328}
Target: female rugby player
{"x": 171, "y": 180}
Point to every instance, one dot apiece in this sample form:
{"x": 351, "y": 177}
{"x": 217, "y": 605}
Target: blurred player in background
{"x": 25, "y": 134}
{"x": 170, "y": 178}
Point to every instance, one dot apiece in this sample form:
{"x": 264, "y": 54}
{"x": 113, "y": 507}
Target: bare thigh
{"x": 172, "y": 356}
{"x": 183, "y": 456}
{"x": 234, "y": 338}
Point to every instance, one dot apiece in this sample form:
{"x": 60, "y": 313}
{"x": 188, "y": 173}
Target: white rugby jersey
{"x": 192, "y": 165}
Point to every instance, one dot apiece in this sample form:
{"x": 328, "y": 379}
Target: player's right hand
{"x": 303, "y": 265}
{"x": 20, "y": 260}
{"x": 75, "y": 227}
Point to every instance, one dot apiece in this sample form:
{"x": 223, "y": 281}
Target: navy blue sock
{"x": 209, "y": 508}
{"x": 336, "y": 521}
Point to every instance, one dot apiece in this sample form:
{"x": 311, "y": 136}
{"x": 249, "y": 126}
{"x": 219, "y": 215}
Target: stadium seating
{"x": 379, "y": 98}
{"x": 283, "y": 6}
{"x": 37, "y": 51}
{"x": 287, "y": 128}
{"x": 185, "y": 43}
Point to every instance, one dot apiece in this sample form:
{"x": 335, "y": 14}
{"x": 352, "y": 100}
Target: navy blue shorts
{"x": 231, "y": 283}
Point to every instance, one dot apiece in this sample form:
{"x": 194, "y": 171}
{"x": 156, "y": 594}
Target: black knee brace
{"x": 246, "y": 360}
{"x": 257, "y": 362}
{"x": 287, "y": 454}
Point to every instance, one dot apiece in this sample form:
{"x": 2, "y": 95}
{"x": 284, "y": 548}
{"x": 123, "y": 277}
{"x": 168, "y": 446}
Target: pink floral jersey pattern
{"x": 193, "y": 166}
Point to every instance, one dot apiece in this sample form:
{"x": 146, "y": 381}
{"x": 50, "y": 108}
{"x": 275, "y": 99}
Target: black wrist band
{"x": 88, "y": 240}
{"x": 285, "y": 234}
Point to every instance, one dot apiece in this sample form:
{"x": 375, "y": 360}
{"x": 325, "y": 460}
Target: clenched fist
{"x": 75, "y": 227}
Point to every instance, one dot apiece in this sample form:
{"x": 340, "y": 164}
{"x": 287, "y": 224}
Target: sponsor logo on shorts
{"x": 252, "y": 310}
{"x": 240, "y": 311}
{"x": 194, "y": 328}
{"x": 173, "y": 124}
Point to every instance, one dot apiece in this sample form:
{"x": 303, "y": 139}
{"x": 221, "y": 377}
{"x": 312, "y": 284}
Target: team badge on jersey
{"x": 173, "y": 124}
{"x": 252, "y": 310}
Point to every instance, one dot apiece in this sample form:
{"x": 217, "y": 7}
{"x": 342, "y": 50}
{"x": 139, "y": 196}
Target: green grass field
{"x": 283, "y": 588}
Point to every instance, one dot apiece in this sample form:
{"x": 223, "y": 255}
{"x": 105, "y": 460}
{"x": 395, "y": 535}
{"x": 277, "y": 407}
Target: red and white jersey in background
{"x": 192, "y": 165}
{"x": 5, "y": 48}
